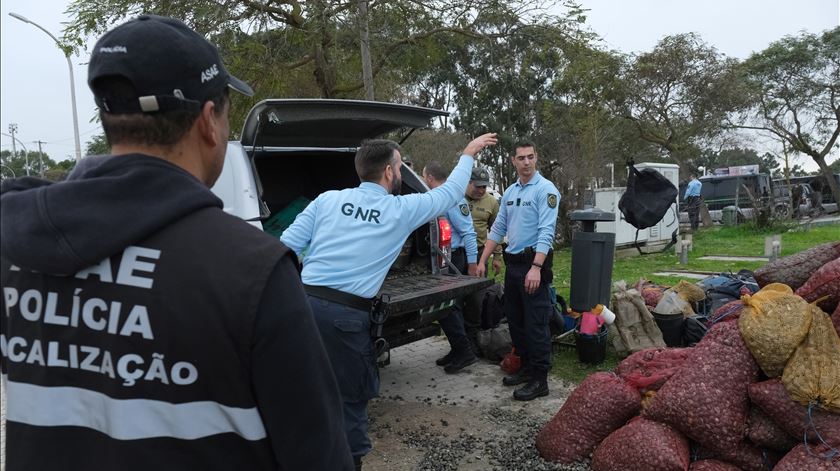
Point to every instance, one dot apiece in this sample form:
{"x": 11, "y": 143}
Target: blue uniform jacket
{"x": 463, "y": 232}
{"x": 354, "y": 235}
{"x": 527, "y": 215}
{"x": 692, "y": 189}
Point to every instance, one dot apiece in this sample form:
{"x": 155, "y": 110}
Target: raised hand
{"x": 476, "y": 145}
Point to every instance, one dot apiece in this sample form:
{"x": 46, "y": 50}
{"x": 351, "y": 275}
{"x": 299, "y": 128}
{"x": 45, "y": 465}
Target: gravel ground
{"x": 427, "y": 420}
{"x": 440, "y": 437}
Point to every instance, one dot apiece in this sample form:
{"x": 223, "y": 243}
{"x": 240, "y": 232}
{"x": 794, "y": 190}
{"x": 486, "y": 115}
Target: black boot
{"x": 460, "y": 361}
{"x": 472, "y": 334}
{"x": 536, "y": 387}
{"x": 520, "y": 377}
{"x": 357, "y": 461}
{"x": 446, "y": 359}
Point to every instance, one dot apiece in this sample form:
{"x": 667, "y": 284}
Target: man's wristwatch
{"x": 536, "y": 264}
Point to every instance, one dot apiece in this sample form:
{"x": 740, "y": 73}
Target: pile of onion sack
{"x": 761, "y": 391}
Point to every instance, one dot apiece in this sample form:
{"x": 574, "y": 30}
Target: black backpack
{"x": 723, "y": 288}
{"x": 493, "y": 306}
{"x": 648, "y": 197}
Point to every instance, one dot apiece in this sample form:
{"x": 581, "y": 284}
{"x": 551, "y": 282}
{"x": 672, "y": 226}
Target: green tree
{"x": 60, "y": 170}
{"x": 679, "y": 94}
{"x": 18, "y": 164}
{"x": 504, "y": 85}
{"x": 796, "y": 85}
{"x": 798, "y": 171}
{"x": 590, "y": 142}
{"x": 98, "y": 145}
{"x": 427, "y": 145}
{"x": 311, "y": 49}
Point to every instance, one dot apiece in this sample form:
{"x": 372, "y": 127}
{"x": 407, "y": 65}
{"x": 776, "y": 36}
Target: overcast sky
{"x": 34, "y": 77}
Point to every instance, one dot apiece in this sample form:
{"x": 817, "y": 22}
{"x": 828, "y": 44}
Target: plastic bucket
{"x": 591, "y": 349}
{"x": 671, "y": 326}
{"x": 609, "y": 316}
{"x": 569, "y": 322}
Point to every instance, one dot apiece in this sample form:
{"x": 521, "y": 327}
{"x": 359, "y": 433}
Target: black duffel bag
{"x": 648, "y": 197}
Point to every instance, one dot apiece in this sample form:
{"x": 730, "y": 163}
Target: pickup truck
{"x": 292, "y": 150}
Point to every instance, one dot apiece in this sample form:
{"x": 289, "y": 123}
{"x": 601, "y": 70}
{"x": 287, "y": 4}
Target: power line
{"x": 54, "y": 141}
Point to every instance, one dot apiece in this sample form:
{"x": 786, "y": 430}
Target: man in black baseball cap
{"x": 187, "y": 320}
{"x": 170, "y": 67}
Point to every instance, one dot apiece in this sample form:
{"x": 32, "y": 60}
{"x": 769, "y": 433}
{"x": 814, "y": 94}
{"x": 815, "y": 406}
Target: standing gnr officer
{"x": 464, "y": 255}
{"x": 692, "y": 200}
{"x": 528, "y": 216}
{"x": 354, "y": 236}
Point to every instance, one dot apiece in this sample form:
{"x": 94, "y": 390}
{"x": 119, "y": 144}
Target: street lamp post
{"x": 72, "y": 80}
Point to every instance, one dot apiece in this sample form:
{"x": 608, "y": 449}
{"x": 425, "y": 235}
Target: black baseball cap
{"x": 480, "y": 176}
{"x": 170, "y": 66}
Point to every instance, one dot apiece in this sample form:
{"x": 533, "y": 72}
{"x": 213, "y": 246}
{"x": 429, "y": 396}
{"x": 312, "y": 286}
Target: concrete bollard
{"x": 684, "y": 244}
{"x": 773, "y": 246}
{"x": 686, "y": 239}
{"x": 777, "y": 250}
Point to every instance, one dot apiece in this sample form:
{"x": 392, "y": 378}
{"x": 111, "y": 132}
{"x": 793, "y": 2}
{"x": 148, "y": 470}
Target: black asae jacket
{"x": 144, "y": 328}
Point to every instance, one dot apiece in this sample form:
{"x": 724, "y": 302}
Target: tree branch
{"x": 293, "y": 18}
{"x": 396, "y": 45}
{"x": 300, "y": 62}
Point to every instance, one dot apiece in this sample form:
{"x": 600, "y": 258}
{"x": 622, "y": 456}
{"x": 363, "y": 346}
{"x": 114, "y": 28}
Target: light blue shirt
{"x": 528, "y": 215}
{"x": 354, "y": 235}
{"x": 693, "y": 189}
{"x": 463, "y": 233}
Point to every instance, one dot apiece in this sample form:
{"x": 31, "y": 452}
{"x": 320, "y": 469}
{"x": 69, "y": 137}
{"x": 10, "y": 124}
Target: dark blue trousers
{"x": 453, "y": 323}
{"x": 345, "y": 332}
{"x": 528, "y": 316}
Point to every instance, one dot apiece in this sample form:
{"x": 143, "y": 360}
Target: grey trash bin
{"x": 592, "y": 261}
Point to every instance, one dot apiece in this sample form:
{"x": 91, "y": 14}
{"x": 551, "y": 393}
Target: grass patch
{"x": 732, "y": 241}
{"x": 567, "y": 367}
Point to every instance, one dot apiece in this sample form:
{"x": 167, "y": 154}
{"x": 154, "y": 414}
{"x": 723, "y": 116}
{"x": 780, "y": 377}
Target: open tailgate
{"x": 324, "y": 123}
{"x": 426, "y": 291}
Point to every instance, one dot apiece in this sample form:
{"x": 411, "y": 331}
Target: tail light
{"x": 444, "y": 241}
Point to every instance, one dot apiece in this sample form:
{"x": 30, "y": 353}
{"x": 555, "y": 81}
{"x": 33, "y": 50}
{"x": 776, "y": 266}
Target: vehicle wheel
{"x": 782, "y": 211}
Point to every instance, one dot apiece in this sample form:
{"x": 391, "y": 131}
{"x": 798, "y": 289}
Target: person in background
{"x": 464, "y": 256}
{"x": 146, "y": 328}
{"x": 692, "y": 201}
{"x": 484, "y": 208}
{"x": 528, "y": 216}
{"x": 354, "y": 235}
{"x": 796, "y": 199}
{"x": 816, "y": 207}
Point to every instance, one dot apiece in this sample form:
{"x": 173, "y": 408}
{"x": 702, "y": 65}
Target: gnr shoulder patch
{"x": 465, "y": 210}
{"x": 552, "y": 200}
